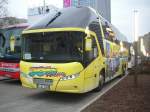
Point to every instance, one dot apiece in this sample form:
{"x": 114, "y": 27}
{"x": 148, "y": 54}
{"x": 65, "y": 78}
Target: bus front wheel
{"x": 101, "y": 83}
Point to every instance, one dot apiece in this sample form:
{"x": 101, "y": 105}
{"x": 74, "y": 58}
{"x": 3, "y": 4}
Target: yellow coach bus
{"x": 72, "y": 51}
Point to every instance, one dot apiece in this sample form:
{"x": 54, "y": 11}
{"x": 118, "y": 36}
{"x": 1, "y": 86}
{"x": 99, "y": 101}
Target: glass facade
{"x": 76, "y": 3}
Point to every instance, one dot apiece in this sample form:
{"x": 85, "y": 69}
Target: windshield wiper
{"x": 56, "y": 16}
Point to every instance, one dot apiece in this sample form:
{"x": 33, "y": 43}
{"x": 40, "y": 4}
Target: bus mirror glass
{"x": 95, "y": 52}
{"x": 88, "y": 44}
{"x": 121, "y": 47}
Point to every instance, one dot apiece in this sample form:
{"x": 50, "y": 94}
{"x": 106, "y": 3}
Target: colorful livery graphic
{"x": 73, "y": 51}
{"x": 10, "y": 55}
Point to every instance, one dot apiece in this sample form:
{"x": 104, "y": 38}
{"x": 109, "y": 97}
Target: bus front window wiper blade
{"x": 56, "y": 16}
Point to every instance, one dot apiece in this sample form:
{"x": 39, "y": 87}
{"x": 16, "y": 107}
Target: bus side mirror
{"x": 88, "y": 44}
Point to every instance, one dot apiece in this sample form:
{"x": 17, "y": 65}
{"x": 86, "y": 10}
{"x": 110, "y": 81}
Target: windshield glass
{"x": 14, "y": 55}
{"x": 12, "y": 48}
{"x": 16, "y": 52}
{"x": 2, "y": 42}
{"x": 53, "y": 47}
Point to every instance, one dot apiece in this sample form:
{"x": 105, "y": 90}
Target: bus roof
{"x": 68, "y": 17}
{"x": 72, "y": 17}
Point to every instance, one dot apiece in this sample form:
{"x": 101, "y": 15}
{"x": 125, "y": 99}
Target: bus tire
{"x": 101, "y": 83}
{"x": 124, "y": 70}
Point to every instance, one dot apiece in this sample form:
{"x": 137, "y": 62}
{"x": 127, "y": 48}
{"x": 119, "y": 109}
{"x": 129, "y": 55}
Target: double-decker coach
{"x": 74, "y": 50}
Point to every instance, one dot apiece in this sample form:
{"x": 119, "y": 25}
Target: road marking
{"x": 102, "y": 92}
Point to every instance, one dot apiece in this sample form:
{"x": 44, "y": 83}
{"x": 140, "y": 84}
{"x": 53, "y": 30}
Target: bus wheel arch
{"x": 102, "y": 72}
{"x": 101, "y": 80}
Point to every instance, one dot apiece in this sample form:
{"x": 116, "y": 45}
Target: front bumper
{"x": 67, "y": 86}
{"x": 13, "y": 75}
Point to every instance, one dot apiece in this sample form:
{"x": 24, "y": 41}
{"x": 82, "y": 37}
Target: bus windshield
{"x": 12, "y": 55}
{"x": 2, "y": 42}
{"x": 53, "y": 47}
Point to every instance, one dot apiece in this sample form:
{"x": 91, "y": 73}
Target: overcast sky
{"x": 122, "y": 13}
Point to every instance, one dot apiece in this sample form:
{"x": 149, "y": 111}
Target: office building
{"x": 35, "y": 14}
{"x": 102, "y": 6}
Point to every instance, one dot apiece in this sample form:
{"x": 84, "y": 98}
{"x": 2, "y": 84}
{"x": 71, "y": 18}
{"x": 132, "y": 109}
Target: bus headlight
{"x": 70, "y": 77}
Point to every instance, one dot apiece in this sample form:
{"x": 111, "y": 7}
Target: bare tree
{"x": 3, "y": 8}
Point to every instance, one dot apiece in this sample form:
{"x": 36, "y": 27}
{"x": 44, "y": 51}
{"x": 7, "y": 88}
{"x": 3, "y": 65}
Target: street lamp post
{"x": 136, "y": 27}
{"x": 136, "y": 46}
{"x": 44, "y": 5}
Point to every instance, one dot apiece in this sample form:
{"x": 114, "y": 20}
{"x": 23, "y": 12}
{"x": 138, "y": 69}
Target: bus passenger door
{"x": 91, "y": 57}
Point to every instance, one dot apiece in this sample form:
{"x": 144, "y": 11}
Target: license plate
{"x": 43, "y": 81}
{"x": 7, "y": 75}
{"x": 42, "y": 86}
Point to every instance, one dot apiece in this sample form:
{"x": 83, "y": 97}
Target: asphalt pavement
{"x": 15, "y": 98}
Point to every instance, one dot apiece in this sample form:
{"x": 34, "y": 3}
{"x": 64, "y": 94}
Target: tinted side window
{"x": 109, "y": 33}
{"x": 95, "y": 27}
